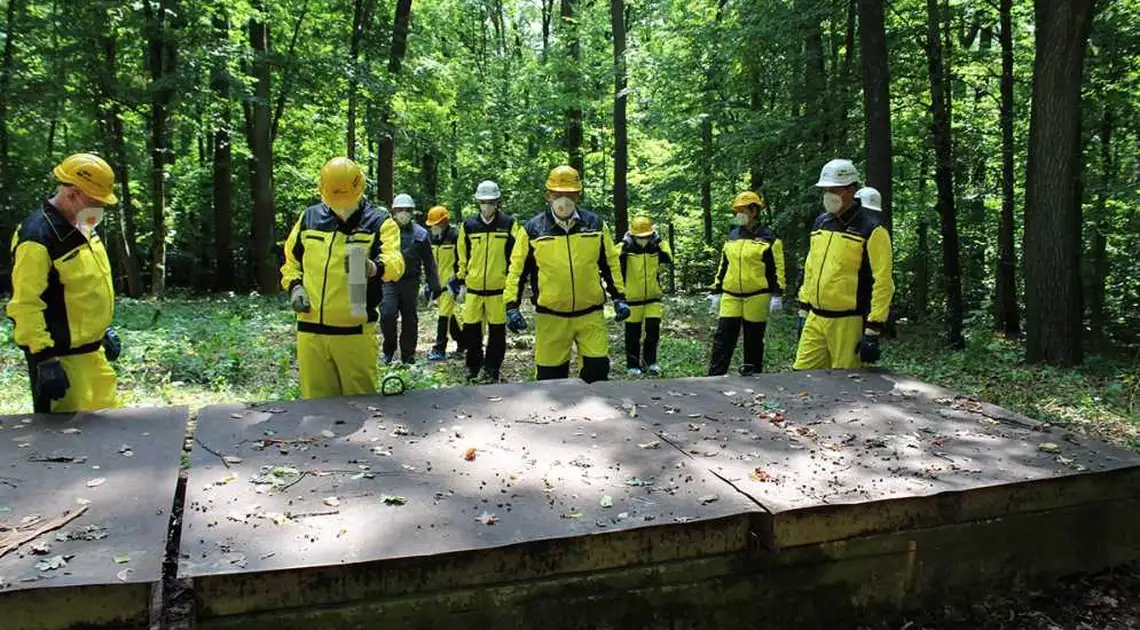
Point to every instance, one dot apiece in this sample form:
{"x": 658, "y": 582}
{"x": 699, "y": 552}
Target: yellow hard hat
{"x": 437, "y": 215}
{"x": 89, "y": 173}
{"x": 341, "y": 184}
{"x": 747, "y": 198}
{"x": 564, "y": 179}
{"x": 641, "y": 226}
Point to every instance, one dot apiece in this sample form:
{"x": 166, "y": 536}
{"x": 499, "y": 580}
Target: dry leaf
{"x": 469, "y": 455}
{"x": 71, "y": 431}
{"x": 495, "y": 399}
{"x": 124, "y": 574}
{"x": 400, "y": 430}
{"x": 327, "y": 434}
{"x": 1048, "y": 447}
{"x": 96, "y": 482}
{"x": 231, "y": 459}
{"x": 574, "y": 513}
{"x": 607, "y": 501}
{"x": 487, "y": 518}
{"x": 653, "y": 444}
{"x": 122, "y": 558}
{"x": 390, "y": 499}
{"x": 708, "y": 498}
{"x": 228, "y": 478}
{"x": 759, "y": 474}
{"x": 332, "y": 501}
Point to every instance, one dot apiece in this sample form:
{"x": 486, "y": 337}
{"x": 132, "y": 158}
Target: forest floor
{"x": 204, "y": 350}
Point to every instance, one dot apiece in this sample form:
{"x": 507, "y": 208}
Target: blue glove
{"x": 427, "y": 293}
{"x": 800, "y": 319}
{"x": 868, "y": 348}
{"x": 621, "y": 310}
{"x": 453, "y": 285}
{"x": 112, "y": 345}
{"x": 51, "y": 380}
{"x": 516, "y": 323}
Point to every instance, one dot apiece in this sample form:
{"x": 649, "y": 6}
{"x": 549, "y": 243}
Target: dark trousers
{"x": 444, "y": 325}
{"x": 724, "y": 344}
{"x": 633, "y": 348}
{"x": 400, "y": 301}
{"x": 496, "y": 347}
{"x": 593, "y": 369}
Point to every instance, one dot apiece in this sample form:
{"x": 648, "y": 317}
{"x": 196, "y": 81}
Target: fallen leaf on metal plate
{"x": 71, "y": 431}
{"x": 332, "y": 501}
{"x": 606, "y": 501}
{"x": 41, "y": 548}
{"x": 729, "y": 393}
{"x": 228, "y": 478}
{"x": 708, "y": 498}
{"x": 96, "y": 482}
{"x": 635, "y": 482}
{"x": 400, "y": 430}
{"x": 653, "y": 444}
{"x": 574, "y": 513}
{"x": 124, "y": 574}
{"x": 1048, "y": 447}
{"x": 469, "y": 455}
{"x": 487, "y": 518}
{"x": 495, "y": 399}
{"x": 231, "y": 459}
{"x": 52, "y": 563}
{"x": 390, "y": 499}
{"x": 327, "y": 434}
{"x": 759, "y": 474}
{"x": 122, "y": 558}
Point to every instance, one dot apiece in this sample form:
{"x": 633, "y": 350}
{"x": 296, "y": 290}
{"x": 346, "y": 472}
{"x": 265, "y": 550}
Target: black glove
{"x": 621, "y": 310}
{"x": 51, "y": 380}
{"x": 427, "y": 293}
{"x": 800, "y": 319}
{"x": 516, "y": 323}
{"x": 112, "y": 345}
{"x": 868, "y": 348}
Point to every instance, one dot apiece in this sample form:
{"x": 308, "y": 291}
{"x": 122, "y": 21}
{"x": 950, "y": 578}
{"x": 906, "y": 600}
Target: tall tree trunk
{"x": 6, "y": 71}
{"x": 429, "y": 170}
{"x": 223, "y": 171}
{"x": 159, "y": 62}
{"x": 361, "y": 15}
{"x": 1008, "y": 318}
{"x": 572, "y": 84}
{"x": 1052, "y": 191}
{"x": 1100, "y": 231}
{"x": 876, "y": 101}
{"x": 621, "y": 134}
{"x": 709, "y": 99}
{"x": 814, "y": 75}
{"x": 386, "y": 165}
{"x": 944, "y": 177}
{"x": 258, "y": 130}
{"x": 922, "y": 251}
{"x": 547, "y": 18}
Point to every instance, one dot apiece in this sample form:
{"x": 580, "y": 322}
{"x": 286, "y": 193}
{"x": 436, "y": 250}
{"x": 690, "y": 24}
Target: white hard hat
{"x": 403, "y": 200}
{"x": 487, "y": 190}
{"x": 870, "y": 198}
{"x": 837, "y": 173}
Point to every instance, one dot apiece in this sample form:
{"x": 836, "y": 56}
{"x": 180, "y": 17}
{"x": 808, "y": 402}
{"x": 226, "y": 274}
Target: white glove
{"x": 776, "y": 305}
{"x": 714, "y": 303}
{"x": 870, "y": 332}
{"x": 462, "y": 295}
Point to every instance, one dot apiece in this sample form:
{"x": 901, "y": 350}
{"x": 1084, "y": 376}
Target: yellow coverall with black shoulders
{"x": 750, "y": 272}
{"x": 847, "y": 287}
{"x": 62, "y": 302}
{"x": 566, "y": 270}
{"x": 445, "y": 250}
{"x": 484, "y": 256}
{"x": 336, "y": 348}
{"x": 640, "y": 265}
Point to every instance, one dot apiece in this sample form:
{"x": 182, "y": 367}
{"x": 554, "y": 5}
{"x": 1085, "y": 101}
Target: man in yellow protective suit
{"x": 443, "y": 249}
{"x": 485, "y": 243}
{"x": 63, "y": 299}
{"x": 749, "y": 285}
{"x": 336, "y": 338}
{"x": 566, "y": 253}
{"x": 846, "y": 295}
{"x": 641, "y": 254}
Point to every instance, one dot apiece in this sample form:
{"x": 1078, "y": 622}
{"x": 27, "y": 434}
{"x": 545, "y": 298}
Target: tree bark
{"x": 876, "y": 102}
{"x": 386, "y": 164}
{"x": 258, "y": 126}
{"x": 222, "y": 170}
{"x": 709, "y": 99}
{"x": 1100, "y": 231}
{"x": 572, "y": 85}
{"x": 1052, "y": 191}
{"x": 429, "y": 170}
{"x": 944, "y": 177}
{"x": 1008, "y": 318}
{"x": 621, "y": 134}
{"x": 159, "y": 63}
{"x": 360, "y": 17}
{"x": 922, "y": 251}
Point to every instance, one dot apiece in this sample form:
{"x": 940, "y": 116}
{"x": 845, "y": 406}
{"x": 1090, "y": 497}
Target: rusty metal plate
{"x": 795, "y": 441}
{"x": 336, "y": 481}
{"x": 117, "y": 470}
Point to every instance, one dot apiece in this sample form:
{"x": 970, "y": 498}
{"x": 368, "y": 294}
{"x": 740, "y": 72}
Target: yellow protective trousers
{"x": 337, "y": 365}
{"x": 91, "y": 385}
{"x": 448, "y": 308}
{"x": 641, "y": 312}
{"x": 830, "y": 343}
{"x": 753, "y": 308}
{"x": 484, "y": 309}
{"x": 555, "y": 336}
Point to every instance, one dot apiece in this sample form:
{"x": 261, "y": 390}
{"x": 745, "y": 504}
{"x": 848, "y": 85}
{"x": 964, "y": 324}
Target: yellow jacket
{"x": 751, "y": 263}
{"x": 565, "y": 269}
{"x": 639, "y": 266}
{"x": 848, "y": 268}
{"x": 314, "y": 256}
{"x": 63, "y": 298}
{"x": 485, "y": 253}
{"x": 445, "y": 251}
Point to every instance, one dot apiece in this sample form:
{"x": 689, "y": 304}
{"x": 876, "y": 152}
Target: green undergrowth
{"x": 202, "y": 350}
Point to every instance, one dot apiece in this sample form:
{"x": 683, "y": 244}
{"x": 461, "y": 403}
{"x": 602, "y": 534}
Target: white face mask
{"x": 641, "y": 241}
{"x": 403, "y": 217}
{"x": 563, "y": 208}
{"x": 741, "y": 219}
{"x": 344, "y": 213}
{"x": 437, "y": 231}
{"x": 488, "y": 211}
{"x": 832, "y": 202}
{"x": 87, "y": 218}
